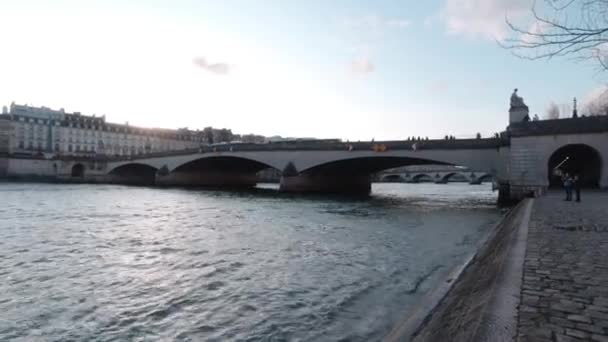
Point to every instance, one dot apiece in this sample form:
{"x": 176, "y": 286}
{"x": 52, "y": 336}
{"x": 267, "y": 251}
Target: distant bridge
{"x": 439, "y": 177}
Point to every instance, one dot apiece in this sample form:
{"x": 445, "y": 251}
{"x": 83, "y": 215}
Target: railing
{"x": 379, "y": 147}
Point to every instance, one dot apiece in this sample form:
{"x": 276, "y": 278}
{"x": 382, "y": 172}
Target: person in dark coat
{"x": 576, "y": 182}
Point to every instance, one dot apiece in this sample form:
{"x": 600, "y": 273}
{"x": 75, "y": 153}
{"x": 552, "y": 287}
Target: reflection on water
{"x": 83, "y": 262}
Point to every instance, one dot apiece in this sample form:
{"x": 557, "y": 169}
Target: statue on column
{"x": 517, "y": 101}
{"x": 518, "y": 111}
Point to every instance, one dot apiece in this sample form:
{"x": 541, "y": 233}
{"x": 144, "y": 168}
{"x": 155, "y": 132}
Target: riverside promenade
{"x": 564, "y": 293}
{"x": 542, "y": 275}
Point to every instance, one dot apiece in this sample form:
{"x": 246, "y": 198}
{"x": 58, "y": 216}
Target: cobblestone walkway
{"x": 565, "y": 285}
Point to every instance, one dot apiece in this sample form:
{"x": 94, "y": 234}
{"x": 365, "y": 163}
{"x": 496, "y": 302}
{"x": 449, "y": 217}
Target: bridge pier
{"x": 208, "y": 179}
{"x": 324, "y": 183}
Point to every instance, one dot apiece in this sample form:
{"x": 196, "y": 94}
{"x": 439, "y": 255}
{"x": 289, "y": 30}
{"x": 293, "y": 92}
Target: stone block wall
{"x": 529, "y": 158}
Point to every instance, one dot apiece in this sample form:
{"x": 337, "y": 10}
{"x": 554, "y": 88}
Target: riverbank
{"x": 480, "y": 299}
{"x": 542, "y": 276}
{"x": 565, "y": 279}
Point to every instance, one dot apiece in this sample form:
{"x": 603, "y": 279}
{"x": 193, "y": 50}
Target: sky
{"x": 357, "y": 70}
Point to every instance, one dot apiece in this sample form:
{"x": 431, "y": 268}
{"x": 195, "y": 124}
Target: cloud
{"x": 483, "y": 18}
{"x": 531, "y": 36}
{"x": 362, "y": 66}
{"x": 215, "y": 68}
{"x": 596, "y": 102}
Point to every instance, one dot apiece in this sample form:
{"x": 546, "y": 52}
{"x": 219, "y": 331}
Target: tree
{"x": 225, "y": 135}
{"x": 552, "y": 111}
{"x": 576, "y": 28}
{"x": 598, "y": 104}
{"x": 208, "y": 135}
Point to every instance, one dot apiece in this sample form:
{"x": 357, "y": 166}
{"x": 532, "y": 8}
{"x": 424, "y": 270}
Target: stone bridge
{"x": 525, "y": 160}
{"x": 439, "y": 177}
{"x": 321, "y": 167}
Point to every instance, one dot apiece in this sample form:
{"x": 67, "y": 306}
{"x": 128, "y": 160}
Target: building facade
{"x": 6, "y": 132}
{"x": 32, "y": 130}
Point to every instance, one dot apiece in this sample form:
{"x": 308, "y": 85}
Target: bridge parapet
{"x": 437, "y": 144}
{"x": 582, "y": 125}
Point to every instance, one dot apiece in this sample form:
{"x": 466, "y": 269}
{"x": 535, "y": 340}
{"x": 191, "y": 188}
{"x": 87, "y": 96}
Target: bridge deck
{"x": 490, "y": 143}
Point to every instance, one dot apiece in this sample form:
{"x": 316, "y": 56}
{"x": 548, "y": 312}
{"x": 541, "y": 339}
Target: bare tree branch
{"x": 554, "y": 34}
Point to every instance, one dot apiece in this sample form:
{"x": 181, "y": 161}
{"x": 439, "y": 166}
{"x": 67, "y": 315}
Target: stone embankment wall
{"x": 49, "y": 170}
{"x": 479, "y": 303}
{"x": 529, "y": 158}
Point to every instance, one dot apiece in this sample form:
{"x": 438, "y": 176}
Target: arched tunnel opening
{"x": 77, "y": 171}
{"x": 576, "y": 159}
{"x": 139, "y": 174}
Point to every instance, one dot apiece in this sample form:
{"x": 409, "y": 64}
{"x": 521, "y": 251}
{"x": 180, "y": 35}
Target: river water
{"x": 117, "y": 263}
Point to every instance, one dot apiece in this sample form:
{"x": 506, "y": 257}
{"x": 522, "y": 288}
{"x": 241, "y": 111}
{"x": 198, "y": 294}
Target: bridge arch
{"x": 455, "y": 177}
{"x": 576, "y": 159}
{"x": 223, "y": 163}
{"x": 366, "y": 165}
{"x": 423, "y": 177}
{"x": 215, "y": 171}
{"x": 133, "y": 173}
{"x": 485, "y": 178}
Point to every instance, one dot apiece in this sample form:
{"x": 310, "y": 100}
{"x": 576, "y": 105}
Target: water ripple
{"x": 114, "y": 263}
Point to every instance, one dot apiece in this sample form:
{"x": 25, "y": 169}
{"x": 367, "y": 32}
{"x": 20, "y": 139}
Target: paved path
{"x": 565, "y": 284}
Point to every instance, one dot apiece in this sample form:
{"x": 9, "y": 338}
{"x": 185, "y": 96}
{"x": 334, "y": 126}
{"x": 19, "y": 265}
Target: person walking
{"x": 577, "y": 187}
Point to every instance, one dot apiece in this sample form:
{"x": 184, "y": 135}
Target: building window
{"x": 56, "y": 147}
{"x": 21, "y": 144}
{"x": 70, "y": 148}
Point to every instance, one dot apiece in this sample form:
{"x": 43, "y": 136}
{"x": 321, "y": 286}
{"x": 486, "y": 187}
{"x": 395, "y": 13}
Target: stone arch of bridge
{"x": 455, "y": 176}
{"x": 423, "y": 177}
{"x": 223, "y": 163}
{"x": 214, "y": 171}
{"x": 366, "y": 165}
{"x": 575, "y": 159}
{"x": 132, "y": 168}
{"x": 133, "y": 173}
{"x": 485, "y": 178}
